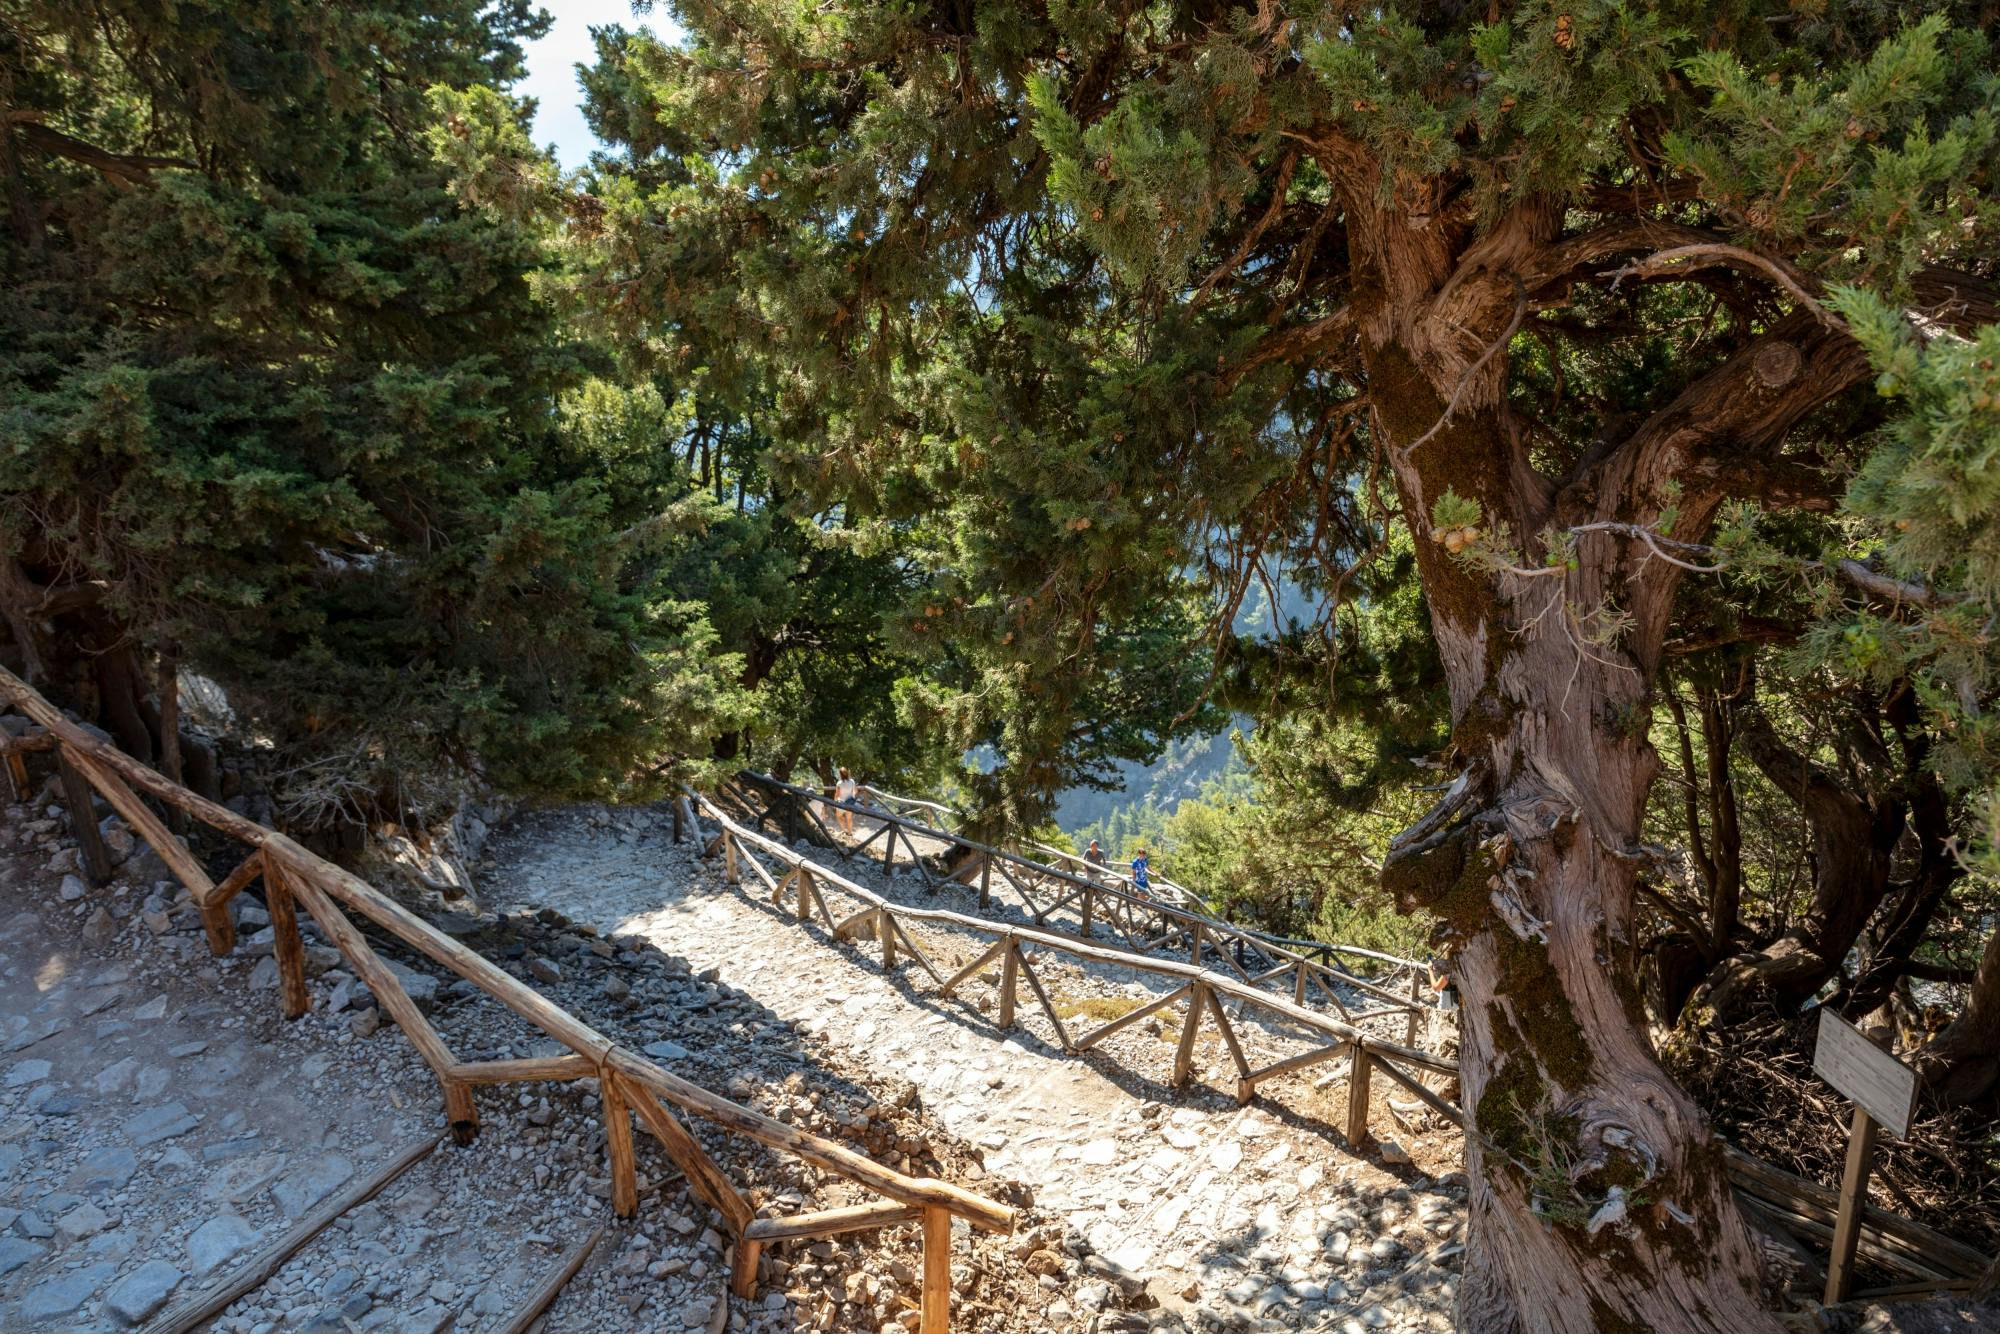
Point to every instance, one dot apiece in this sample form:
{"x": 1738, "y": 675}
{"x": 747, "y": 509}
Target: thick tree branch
{"x": 1773, "y": 482}
{"x": 1751, "y": 402}
{"x": 128, "y": 168}
{"x": 1682, "y": 259}
{"x": 1291, "y": 344}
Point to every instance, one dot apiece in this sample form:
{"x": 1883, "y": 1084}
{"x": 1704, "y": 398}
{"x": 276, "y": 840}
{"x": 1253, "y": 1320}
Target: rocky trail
{"x": 1225, "y": 1216}
{"x": 165, "y": 1133}
{"x": 161, "y": 1126}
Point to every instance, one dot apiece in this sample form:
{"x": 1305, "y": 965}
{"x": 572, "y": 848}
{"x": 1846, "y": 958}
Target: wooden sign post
{"x": 1884, "y": 1093}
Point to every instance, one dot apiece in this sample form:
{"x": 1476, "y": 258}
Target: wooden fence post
{"x": 885, "y": 931}
{"x": 1184, "y": 1053}
{"x": 1357, "y": 1096}
{"x": 1086, "y": 914}
{"x": 618, "y": 1144}
{"x": 936, "y": 1312}
{"x": 169, "y": 691}
{"x": 1416, "y": 999}
{"x": 17, "y": 770}
{"x": 286, "y": 945}
{"x": 985, "y": 880}
{"x": 1010, "y": 980}
{"x": 1299, "y": 983}
{"x": 1853, "y": 1200}
{"x": 83, "y": 819}
{"x": 730, "y": 871}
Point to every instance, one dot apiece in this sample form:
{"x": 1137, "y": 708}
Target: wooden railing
{"x": 804, "y": 882}
{"x": 1776, "y": 1198}
{"x": 628, "y": 1083}
{"x": 944, "y": 815}
{"x": 1148, "y": 922}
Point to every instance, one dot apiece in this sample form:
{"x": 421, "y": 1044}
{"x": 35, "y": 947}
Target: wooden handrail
{"x": 939, "y": 807}
{"x": 1218, "y": 983}
{"x": 1109, "y": 886}
{"x": 1890, "y": 1238}
{"x": 320, "y": 884}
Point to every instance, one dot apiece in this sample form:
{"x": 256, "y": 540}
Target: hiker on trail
{"x": 1094, "y": 855}
{"x": 845, "y": 790}
{"x": 1142, "y": 873}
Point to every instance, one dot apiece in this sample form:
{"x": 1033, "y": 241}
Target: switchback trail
{"x": 1239, "y": 1217}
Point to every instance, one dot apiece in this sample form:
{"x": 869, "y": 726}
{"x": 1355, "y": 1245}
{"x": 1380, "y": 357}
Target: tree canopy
{"x": 924, "y": 387}
{"x": 1600, "y": 304}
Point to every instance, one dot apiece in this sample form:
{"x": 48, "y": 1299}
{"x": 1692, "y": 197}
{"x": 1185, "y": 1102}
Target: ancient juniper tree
{"x": 1101, "y": 293}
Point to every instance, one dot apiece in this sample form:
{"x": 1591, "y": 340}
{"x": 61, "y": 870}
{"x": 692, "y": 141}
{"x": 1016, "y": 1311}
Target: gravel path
{"x": 160, "y": 1122}
{"x": 1252, "y": 1217}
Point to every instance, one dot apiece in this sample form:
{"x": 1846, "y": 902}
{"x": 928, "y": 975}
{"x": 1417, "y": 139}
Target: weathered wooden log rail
{"x": 1933, "y": 1260}
{"x": 628, "y": 1083}
{"x": 903, "y": 804}
{"x": 1147, "y": 922}
{"x": 804, "y": 883}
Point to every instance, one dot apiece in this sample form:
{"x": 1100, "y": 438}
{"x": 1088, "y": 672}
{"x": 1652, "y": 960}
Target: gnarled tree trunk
{"x": 1598, "y": 1197}
{"x": 1857, "y": 830}
{"x": 1962, "y": 1064}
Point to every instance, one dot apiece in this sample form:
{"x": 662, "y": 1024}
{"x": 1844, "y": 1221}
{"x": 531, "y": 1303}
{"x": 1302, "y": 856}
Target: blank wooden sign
{"x": 1874, "y": 1080}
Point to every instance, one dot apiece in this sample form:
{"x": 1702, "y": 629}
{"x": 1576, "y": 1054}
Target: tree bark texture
{"x": 1962, "y": 1064}
{"x": 1598, "y": 1196}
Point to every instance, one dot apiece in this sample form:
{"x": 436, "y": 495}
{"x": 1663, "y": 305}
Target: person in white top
{"x": 845, "y": 790}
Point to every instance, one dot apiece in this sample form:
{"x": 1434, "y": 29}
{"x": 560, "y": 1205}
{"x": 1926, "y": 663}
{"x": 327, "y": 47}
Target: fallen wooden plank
{"x": 213, "y": 1300}
{"x": 538, "y": 1300}
{"x": 1870, "y": 1244}
{"x": 1760, "y": 1178}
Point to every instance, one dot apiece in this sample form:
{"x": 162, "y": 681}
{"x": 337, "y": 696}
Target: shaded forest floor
{"x": 1756, "y": 1081}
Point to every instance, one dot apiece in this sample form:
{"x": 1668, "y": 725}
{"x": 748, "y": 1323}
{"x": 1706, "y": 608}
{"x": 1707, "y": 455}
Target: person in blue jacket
{"x": 1142, "y": 868}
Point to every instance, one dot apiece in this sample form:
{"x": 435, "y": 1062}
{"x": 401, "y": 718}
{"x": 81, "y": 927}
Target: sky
{"x": 552, "y": 66}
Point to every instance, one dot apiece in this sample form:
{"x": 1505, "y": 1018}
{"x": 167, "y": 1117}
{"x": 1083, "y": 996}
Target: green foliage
{"x": 1929, "y": 494}
{"x": 274, "y": 403}
{"x": 1893, "y": 144}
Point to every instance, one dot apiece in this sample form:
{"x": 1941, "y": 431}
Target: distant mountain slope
{"x": 1155, "y": 790}
{"x": 1161, "y": 786}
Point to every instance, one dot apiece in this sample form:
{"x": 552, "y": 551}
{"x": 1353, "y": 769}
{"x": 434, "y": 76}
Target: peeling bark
{"x": 1598, "y": 1199}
